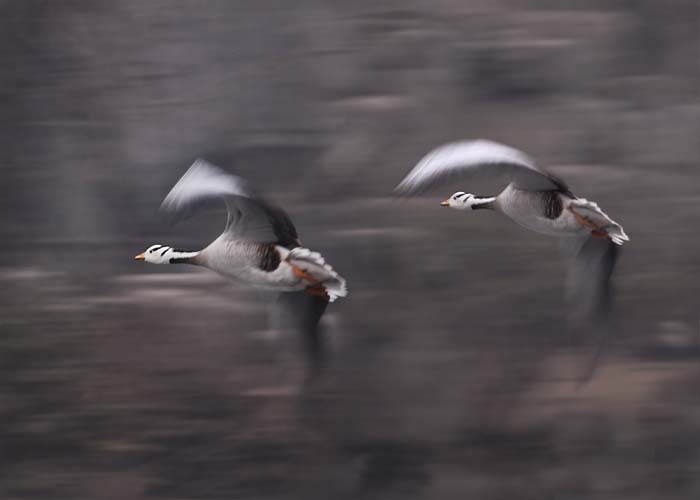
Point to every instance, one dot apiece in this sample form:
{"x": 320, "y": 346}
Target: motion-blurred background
{"x": 452, "y": 375}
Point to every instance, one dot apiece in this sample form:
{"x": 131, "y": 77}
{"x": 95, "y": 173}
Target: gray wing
{"x": 250, "y": 218}
{"x": 590, "y": 265}
{"x": 591, "y": 262}
{"x": 301, "y": 314}
{"x": 479, "y": 158}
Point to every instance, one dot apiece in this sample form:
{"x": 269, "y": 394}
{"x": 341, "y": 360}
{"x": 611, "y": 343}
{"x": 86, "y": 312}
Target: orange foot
{"x": 596, "y": 230}
{"x": 318, "y": 291}
{"x": 300, "y": 273}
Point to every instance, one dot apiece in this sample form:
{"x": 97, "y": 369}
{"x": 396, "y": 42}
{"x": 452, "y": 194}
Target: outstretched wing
{"x": 250, "y": 218}
{"x": 479, "y": 158}
{"x": 590, "y": 265}
{"x": 300, "y": 313}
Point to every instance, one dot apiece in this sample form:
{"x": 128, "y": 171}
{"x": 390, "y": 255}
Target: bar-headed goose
{"x": 535, "y": 199}
{"x": 259, "y": 247}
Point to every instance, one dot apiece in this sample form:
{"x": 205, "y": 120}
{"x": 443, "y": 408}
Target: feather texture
{"x": 479, "y": 158}
{"x": 250, "y": 217}
{"x": 592, "y": 211}
{"x": 314, "y": 264}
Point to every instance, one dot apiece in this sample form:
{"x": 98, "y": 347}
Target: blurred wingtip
{"x": 168, "y": 215}
{"x": 398, "y": 192}
{"x": 200, "y": 162}
{"x": 404, "y": 190}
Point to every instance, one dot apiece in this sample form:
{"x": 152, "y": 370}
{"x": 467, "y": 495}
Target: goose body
{"x": 260, "y": 265}
{"x": 259, "y": 247}
{"x": 270, "y": 266}
{"x": 536, "y": 200}
{"x": 543, "y": 212}
{"x": 557, "y": 214}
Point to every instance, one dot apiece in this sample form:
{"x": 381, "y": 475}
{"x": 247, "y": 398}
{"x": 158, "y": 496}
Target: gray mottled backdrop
{"x": 452, "y": 375}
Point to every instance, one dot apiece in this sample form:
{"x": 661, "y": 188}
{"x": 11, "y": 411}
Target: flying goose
{"x": 536, "y": 200}
{"x": 259, "y": 247}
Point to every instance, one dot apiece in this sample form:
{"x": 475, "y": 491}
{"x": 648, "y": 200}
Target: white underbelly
{"x": 551, "y": 227}
{"x": 281, "y": 279}
{"x": 241, "y": 266}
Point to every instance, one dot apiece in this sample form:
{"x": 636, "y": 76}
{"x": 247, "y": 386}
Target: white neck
{"x": 181, "y": 257}
{"x": 477, "y": 203}
{"x": 484, "y": 201}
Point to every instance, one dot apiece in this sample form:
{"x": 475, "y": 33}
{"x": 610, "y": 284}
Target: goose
{"x": 259, "y": 247}
{"x": 536, "y": 200}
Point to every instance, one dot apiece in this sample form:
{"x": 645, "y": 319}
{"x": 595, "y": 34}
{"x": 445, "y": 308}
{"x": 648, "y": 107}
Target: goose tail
{"x": 592, "y": 211}
{"x": 314, "y": 264}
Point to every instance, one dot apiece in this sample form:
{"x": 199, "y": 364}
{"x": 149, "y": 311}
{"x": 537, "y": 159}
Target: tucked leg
{"x": 300, "y": 273}
{"x": 596, "y": 230}
{"x": 318, "y": 291}
{"x": 315, "y": 287}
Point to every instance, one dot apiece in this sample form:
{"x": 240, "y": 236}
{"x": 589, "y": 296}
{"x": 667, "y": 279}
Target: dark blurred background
{"x": 451, "y": 375}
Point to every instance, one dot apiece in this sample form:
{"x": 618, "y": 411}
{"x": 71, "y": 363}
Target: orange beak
{"x": 140, "y": 257}
{"x": 445, "y": 203}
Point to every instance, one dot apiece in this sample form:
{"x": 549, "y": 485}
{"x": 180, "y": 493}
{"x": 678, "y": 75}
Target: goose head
{"x": 156, "y": 254}
{"x": 460, "y": 201}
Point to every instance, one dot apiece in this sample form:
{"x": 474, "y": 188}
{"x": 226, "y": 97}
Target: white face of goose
{"x": 460, "y": 201}
{"x": 156, "y": 254}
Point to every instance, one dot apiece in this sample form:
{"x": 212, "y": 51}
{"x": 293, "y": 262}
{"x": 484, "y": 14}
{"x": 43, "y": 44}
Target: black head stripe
{"x": 165, "y": 251}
